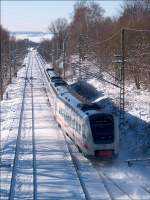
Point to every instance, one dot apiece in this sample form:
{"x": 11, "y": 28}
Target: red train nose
{"x": 104, "y": 153}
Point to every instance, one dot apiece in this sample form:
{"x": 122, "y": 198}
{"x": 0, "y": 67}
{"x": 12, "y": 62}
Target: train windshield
{"x": 102, "y": 127}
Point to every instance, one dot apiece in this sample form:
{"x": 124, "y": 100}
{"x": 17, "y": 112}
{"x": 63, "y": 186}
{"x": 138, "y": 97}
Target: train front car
{"x": 104, "y": 131}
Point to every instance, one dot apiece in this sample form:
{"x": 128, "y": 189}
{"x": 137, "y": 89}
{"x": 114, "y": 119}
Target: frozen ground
{"x": 137, "y": 105}
{"x": 56, "y": 177}
{"x": 135, "y": 140}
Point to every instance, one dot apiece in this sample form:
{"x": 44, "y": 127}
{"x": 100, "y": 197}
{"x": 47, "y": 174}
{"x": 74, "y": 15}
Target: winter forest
{"x": 90, "y": 37}
{"x": 75, "y": 100}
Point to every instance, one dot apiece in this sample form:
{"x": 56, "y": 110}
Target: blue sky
{"x": 37, "y": 15}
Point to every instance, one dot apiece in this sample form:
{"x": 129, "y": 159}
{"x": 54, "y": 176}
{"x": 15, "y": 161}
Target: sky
{"x": 37, "y": 15}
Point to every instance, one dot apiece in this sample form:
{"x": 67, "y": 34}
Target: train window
{"x": 76, "y": 126}
{"x": 102, "y": 127}
{"x": 65, "y": 116}
{"x": 79, "y": 128}
{"x": 72, "y": 123}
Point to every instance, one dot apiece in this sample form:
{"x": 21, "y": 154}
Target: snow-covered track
{"x": 107, "y": 179}
{"x": 76, "y": 166}
{"x": 15, "y": 179}
{"x": 33, "y": 145}
{"x": 16, "y": 156}
{"x": 75, "y": 163}
{"x": 121, "y": 189}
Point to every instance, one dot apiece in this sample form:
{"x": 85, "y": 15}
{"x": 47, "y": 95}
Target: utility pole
{"x": 9, "y": 60}
{"x": 15, "y": 59}
{"x": 1, "y": 79}
{"x": 80, "y": 56}
{"x": 14, "y": 54}
{"x": 64, "y": 56}
{"x": 53, "y": 51}
{"x": 122, "y": 82}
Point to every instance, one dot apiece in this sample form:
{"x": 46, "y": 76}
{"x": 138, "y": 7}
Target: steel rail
{"x": 104, "y": 179}
{"x": 33, "y": 143}
{"x": 141, "y": 186}
{"x": 75, "y": 163}
{"x": 104, "y": 182}
{"x": 73, "y": 157}
{"x": 16, "y": 156}
{"x": 122, "y": 190}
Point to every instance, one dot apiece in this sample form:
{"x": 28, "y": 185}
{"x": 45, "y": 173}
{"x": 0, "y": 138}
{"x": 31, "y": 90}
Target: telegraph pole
{"x": 1, "y": 80}
{"x": 80, "y": 56}
{"x": 14, "y": 59}
{"x": 122, "y": 82}
{"x": 9, "y": 60}
{"x": 64, "y": 56}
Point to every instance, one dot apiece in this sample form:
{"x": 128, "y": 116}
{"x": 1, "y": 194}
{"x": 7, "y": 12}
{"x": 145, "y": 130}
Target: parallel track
{"x": 106, "y": 178}
{"x": 75, "y": 163}
{"x": 76, "y": 166}
{"x": 16, "y": 157}
{"x": 18, "y": 141}
{"x": 33, "y": 144}
{"x": 103, "y": 176}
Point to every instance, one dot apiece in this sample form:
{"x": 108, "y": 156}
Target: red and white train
{"x": 94, "y": 131}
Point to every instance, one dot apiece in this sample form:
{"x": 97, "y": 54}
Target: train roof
{"x": 49, "y": 69}
{"x": 86, "y": 107}
{"x": 56, "y": 79}
{"x": 82, "y": 107}
{"x": 51, "y": 73}
{"x": 70, "y": 97}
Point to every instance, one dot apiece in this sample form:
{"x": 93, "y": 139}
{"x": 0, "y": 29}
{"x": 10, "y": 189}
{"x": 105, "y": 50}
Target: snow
{"x": 56, "y": 175}
{"x": 35, "y": 37}
{"x": 134, "y": 143}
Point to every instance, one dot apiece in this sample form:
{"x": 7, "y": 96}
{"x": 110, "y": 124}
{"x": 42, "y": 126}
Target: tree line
{"x": 92, "y": 36}
{"x": 12, "y": 55}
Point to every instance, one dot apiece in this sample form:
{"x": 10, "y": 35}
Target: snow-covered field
{"x": 54, "y": 172}
{"x": 56, "y": 177}
{"x": 32, "y": 36}
{"x": 137, "y": 106}
{"x": 135, "y": 140}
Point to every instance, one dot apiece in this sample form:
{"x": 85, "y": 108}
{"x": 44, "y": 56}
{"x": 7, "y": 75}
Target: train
{"x": 93, "y": 130}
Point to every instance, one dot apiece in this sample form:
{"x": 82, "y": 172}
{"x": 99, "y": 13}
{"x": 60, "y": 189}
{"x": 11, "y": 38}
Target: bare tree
{"x": 59, "y": 29}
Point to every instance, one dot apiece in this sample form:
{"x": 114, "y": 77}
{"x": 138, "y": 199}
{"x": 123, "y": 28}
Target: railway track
{"x": 21, "y": 144}
{"x": 111, "y": 185}
{"x": 74, "y": 160}
{"x": 76, "y": 166}
{"x": 113, "y": 188}
{"x": 33, "y": 144}
{"x": 107, "y": 179}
